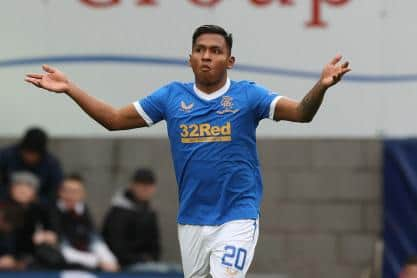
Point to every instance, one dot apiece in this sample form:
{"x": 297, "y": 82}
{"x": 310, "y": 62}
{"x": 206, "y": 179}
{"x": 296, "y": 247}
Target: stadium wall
{"x": 322, "y": 200}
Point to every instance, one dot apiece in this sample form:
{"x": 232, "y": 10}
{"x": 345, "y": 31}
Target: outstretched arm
{"x": 304, "y": 111}
{"x": 109, "y": 117}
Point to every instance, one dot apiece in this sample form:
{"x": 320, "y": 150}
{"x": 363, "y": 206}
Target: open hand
{"x": 333, "y": 71}
{"x": 53, "y": 80}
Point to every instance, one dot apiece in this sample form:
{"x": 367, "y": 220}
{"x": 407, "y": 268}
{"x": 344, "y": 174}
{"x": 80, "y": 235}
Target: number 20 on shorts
{"x": 234, "y": 257}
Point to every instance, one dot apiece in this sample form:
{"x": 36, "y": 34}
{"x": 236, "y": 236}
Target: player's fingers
{"x": 345, "y": 70}
{"x": 339, "y": 76}
{"x": 336, "y": 59}
{"x": 48, "y": 69}
{"x": 34, "y": 81}
{"x": 345, "y": 64}
{"x": 30, "y": 79}
{"x": 34, "y": 75}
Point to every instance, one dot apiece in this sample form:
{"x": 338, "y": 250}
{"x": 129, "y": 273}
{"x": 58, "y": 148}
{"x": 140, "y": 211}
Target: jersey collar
{"x": 215, "y": 94}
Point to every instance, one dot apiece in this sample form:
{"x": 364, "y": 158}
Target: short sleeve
{"x": 152, "y": 107}
{"x": 263, "y": 101}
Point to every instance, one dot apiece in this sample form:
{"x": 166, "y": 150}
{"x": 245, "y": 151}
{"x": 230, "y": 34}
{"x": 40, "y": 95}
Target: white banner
{"x": 121, "y": 50}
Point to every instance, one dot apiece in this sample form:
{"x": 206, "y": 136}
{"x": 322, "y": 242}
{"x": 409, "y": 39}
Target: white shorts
{"x": 220, "y": 251}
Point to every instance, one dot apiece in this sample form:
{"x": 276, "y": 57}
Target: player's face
{"x": 210, "y": 59}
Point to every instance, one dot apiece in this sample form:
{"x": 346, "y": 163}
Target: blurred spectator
{"x": 410, "y": 268}
{"x": 80, "y": 245}
{"x": 34, "y": 244}
{"x": 23, "y": 194}
{"x": 131, "y": 227}
{"x": 31, "y": 154}
{"x": 10, "y": 217}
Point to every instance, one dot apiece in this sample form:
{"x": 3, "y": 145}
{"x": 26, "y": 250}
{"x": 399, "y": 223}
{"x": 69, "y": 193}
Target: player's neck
{"x": 221, "y": 91}
{"x": 211, "y": 88}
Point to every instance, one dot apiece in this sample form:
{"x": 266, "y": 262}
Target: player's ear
{"x": 231, "y": 61}
{"x": 189, "y": 60}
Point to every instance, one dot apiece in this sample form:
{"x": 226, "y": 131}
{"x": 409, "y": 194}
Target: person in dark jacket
{"x": 31, "y": 155}
{"x": 131, "y": 225}
{"x": 80, "y": 244}
{"x": 34, "y": 218}
{"x": 23, "y": 193}
{"x": 22, "y": 219}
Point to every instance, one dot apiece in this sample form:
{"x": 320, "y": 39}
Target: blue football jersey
{"x": 213, "y": 147}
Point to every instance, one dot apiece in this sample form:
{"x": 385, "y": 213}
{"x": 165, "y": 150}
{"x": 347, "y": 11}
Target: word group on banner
{"x": 316, "y": 6}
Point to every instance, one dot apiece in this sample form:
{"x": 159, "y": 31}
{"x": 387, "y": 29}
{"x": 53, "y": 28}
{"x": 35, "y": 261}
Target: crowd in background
{"x": 45, "y": 222}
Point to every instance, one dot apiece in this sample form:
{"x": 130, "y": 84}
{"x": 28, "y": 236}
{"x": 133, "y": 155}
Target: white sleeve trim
{"x": 272, "y": 107}
{"x": 142, "y": 113}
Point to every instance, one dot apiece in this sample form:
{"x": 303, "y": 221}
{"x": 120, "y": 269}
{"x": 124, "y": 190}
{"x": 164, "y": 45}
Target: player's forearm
{"x": 100, "y": 111}
{"x": 310, "y": 104}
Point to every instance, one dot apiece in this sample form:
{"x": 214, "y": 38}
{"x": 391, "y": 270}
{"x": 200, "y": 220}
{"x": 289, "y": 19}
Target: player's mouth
{"x": 205, "y": 68}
